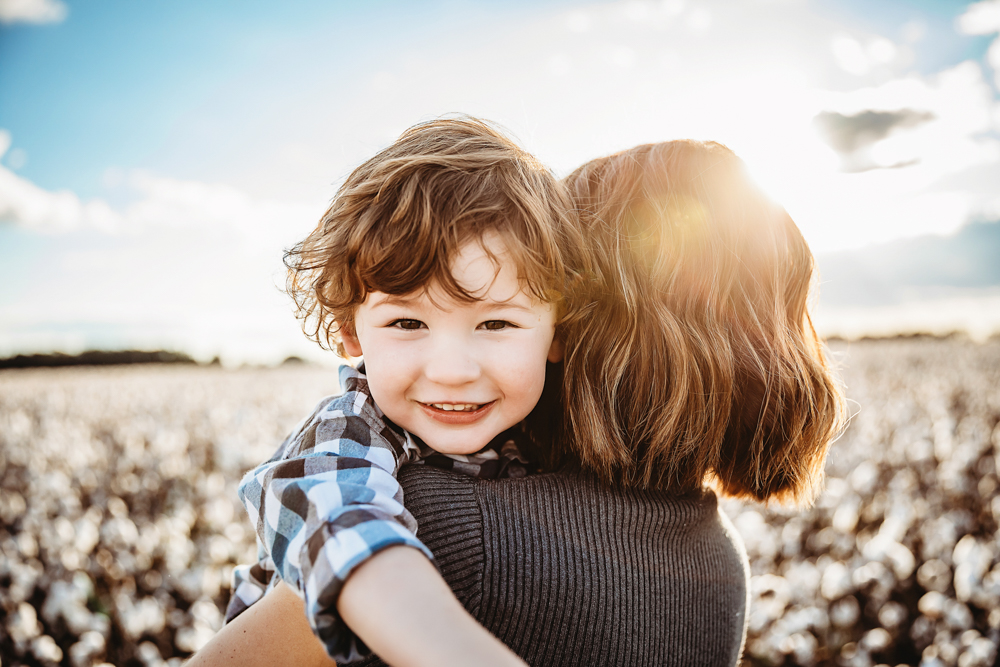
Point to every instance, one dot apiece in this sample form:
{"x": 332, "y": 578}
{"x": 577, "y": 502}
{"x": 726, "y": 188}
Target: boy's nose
{"x": 452, "y": 363}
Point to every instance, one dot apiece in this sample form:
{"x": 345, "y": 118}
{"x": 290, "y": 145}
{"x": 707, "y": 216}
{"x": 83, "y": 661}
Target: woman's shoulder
{"x": 555, "y": 501}
{"x": 568, "y": 571}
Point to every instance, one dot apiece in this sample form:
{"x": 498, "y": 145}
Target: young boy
{"x": 443, "y": 263}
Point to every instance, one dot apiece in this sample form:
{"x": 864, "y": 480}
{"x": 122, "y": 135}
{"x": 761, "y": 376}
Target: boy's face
{"x": 457, "y": 374}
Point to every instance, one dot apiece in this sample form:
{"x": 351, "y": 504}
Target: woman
{"x": 696, "y": 366}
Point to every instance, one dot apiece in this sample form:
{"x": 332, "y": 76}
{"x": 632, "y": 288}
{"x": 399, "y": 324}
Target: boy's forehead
{"x": 483, "y": 284}
{"x": 481, "y": 266}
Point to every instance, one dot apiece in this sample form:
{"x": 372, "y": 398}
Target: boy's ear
{"x": 556, "y": 350}
{"x": 349, "y": 338}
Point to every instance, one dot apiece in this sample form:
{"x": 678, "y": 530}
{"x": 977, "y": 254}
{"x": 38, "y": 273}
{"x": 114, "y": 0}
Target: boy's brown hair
{"x": 699, "y": 360}
{"x": 399, "y": 219}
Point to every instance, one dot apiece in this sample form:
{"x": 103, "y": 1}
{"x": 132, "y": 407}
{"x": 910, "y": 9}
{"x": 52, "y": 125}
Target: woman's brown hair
{"x": 399, "y": 219}
{"x": 698, "y": 360}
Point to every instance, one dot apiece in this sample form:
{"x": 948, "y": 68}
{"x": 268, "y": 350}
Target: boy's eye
{"x": 497, "y": 325}
{"x": 407, "y": 325}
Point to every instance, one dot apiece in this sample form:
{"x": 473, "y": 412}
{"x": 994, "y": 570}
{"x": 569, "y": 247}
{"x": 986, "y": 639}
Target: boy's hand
{"x": 397, "y": 602}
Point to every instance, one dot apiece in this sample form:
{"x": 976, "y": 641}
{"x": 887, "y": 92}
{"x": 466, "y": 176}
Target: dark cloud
{"x": 848, "y": 134}
{"x": 891, "y": 272}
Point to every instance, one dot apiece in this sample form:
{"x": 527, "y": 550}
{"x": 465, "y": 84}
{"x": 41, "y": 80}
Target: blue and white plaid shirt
{"x": 328, "y": 500}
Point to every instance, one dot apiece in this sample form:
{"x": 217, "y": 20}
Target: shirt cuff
{"x": 336, "y": 557}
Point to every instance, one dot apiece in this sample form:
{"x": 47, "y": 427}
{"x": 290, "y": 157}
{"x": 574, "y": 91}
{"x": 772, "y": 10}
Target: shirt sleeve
{"x": 250, "y": 583}
{"x": 328, "y": 501}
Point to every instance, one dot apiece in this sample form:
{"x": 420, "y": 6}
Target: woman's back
{"x": 566, "y": 571}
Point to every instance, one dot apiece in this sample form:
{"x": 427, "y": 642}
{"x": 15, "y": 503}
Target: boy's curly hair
{"x": 699, "y": 360}
{"x": 399, "y": 219}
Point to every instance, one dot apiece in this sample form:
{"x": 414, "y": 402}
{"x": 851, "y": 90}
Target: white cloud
{"x": 980, "y": 18}
{"x": 559, "y": 64}
{"x": 186, "y": 265}
{"x": 850, "y": 55}
{"x": 983, "y": 18}
{"x": 32, "y": 11}
{"x": 578, "y": 21}
{"x": 17, "y": 158}
{"x": 178, "y": 204}
{"x": 843, "y": 210}
{"x": 699, "y": 21}
{"x": 157, "y": 202}
{"x": 622, "y": 56}
{"x": 156, "y": 290}
{"x": 859, "y": 59}
{"x": 959, "y": 99}
{"x": 993, "y": 57}
{"x": 24, "y": 203}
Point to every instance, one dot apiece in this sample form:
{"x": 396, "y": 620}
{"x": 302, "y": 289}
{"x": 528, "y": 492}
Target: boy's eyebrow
{"x": 406, "y": 300}
{"x": 395, "y": 300}
{"x": 508, "y": 304}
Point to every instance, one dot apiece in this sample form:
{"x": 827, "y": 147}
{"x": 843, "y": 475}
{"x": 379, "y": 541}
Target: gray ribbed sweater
{"x": 568, "y": 572}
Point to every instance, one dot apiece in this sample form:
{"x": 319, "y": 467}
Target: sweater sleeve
{"x": 328, "y": 501}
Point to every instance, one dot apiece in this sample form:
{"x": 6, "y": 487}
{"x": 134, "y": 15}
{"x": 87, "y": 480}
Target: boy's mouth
{"x": 457, "y": 413}
{"x": 456, "y": 407}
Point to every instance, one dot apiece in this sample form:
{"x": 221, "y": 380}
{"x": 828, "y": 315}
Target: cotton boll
{"x": 149, "y": 654}
{"x": 23, "y": 624}
{"x": 972, "y": 560}
{"x": 876, "y": 640}
{"x": 836, "y": 581}
{"x": 84, "y": 652}
{"x": 845, "y": 612}
{"x": 892, "y": 615}
{"x": 864, "y": 478}
{"x": 981, "y": 652}
{"x": 934, "y": 575}
{"x": 932, "y": 604}
{"x": 802, "y": 646}
{"x": 958, "y": 616}
{"x": 45, "y": 649}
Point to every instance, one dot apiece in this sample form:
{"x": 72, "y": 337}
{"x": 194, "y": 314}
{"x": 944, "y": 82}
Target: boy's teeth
{"x": 461, "y": 407}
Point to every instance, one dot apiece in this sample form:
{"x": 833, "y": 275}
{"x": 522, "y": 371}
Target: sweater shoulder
{"x": 568, "y": 572}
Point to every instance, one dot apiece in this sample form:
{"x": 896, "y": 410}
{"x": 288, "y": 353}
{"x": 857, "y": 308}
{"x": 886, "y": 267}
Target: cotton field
{"x": 898, "y": 561}
{"x": 120, "y": 518}
{"x": 120, "y": 523}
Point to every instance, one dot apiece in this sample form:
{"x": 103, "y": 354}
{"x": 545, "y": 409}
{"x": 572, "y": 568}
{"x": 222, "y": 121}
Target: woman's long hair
{"x": 698, "y": 360}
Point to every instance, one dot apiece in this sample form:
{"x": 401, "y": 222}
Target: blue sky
{"x": 157, "y": 156}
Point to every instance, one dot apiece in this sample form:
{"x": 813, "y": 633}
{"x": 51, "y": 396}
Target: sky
{"x": 157, "y": 157}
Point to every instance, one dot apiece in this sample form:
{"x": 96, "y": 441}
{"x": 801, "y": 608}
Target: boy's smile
{"x": 457, "y": 373}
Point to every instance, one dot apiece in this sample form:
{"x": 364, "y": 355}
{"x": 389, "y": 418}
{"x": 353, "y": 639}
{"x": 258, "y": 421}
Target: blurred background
{"x": 157, "y": 157}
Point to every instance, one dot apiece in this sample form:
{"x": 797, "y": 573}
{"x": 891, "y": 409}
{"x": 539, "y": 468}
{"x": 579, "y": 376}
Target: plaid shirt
{"x": 328, "y": 500}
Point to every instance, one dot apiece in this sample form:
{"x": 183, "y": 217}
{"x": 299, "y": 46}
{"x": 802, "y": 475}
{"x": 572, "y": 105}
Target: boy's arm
{"x": 329, "y": 502}
{"x": 429, "y": 626}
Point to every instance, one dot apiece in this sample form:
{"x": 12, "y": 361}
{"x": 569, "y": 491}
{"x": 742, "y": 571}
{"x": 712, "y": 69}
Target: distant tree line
{"x": 96, "y": 358}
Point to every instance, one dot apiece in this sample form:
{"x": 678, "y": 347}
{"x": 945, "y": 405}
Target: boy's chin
{"x": 463, "y": 447}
